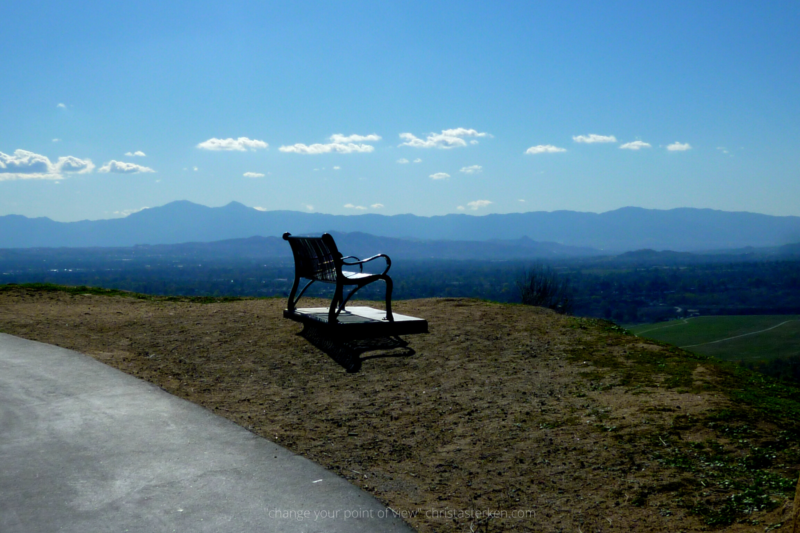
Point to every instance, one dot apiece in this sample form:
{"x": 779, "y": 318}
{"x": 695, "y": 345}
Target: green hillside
{"x": 733, "y": 338}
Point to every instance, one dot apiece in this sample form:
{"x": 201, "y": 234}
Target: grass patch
{"x": 729, "y": 481}
{"x": 744, "y": 466}
{"x": 697, "y": 333}
{"x": 100, "y": 291}
{"x": 636, "y": 367}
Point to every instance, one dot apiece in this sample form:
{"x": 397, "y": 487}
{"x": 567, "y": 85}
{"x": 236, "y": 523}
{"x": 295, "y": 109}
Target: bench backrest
{"x": 315, "y": 257}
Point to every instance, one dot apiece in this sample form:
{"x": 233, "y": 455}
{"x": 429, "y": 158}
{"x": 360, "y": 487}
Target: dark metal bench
{"x": 318, "y": 259}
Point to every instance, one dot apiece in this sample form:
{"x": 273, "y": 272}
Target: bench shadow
{"x": 347, "y": 353}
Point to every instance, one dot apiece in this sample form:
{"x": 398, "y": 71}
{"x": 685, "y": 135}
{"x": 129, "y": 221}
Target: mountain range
{"x": 621, "y": 230}
{"x": 269, "y": 248}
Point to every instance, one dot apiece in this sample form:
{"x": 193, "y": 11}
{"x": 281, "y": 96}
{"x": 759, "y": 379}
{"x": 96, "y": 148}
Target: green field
{"x": 734, "y": 338}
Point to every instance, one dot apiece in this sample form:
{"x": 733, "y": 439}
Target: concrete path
{"x": 87, "y": 448}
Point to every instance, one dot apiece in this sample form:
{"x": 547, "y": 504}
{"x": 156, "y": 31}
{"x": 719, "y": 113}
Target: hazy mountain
{"x": 792, "y": 249}
{"x": 625, "y": 229}
{"x": 266, "y": 248}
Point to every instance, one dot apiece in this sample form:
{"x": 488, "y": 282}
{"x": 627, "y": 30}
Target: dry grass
{"x": 504, "y": 408}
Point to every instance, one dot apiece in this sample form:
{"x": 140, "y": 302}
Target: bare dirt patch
{"x": 546, "y": 420}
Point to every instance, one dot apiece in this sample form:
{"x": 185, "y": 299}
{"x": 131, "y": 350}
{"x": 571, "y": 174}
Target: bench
{"x": 318, "y": 259}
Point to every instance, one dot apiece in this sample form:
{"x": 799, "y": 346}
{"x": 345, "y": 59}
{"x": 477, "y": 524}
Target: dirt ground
{"x": 487, "y": 423}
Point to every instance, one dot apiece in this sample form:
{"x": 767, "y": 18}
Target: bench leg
{"x": 290, "y": 305}
{"x": 389, "y": 286}
{"x": 332, "y": 312}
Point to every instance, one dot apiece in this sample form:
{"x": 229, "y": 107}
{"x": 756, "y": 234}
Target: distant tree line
{"x": 603, "y": 289}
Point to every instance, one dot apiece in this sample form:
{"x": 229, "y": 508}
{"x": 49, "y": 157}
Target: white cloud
{"x": 521, "y": 200}
{"x": 236, "y": 145}
{"x": 56, "y": 140}
{"x": 723, "y": 149}
{"x": 195, "y": 169}
{"x": 253, "y": 175}
{"x": 309, "y": 207}
{"x": 464, "y": 132}
{"x": 477, "y": 204}
{"x": 452, "y": 138}
{"x": 678, "y": 147}
{"x": 635, "y": 145}
{"x": 126, "y": 212}
{"x": 544, "y": 149}
{"x": 344, "y": 139}
{"x": 137, "y": 153}
{"x": 61, "y": 106}
{"x": 121, "y": 167}
{"x": 417, "y": 160}
{"x": 377, "y": 206}
{"x": 340, "y": 144}
{"x": 337, "y": 168}
{"x": 73, "y": 165}
{"x": 594, "y": 138}
{"x": 439, "y": 176}
{"x": 403, "y": 161}
{"x": 29, "y": 176}
{"x": 460, "y": 208}
{"x": 28, "y": 165}
{"x": 338, "y": 148}
{"x": 25, "y": 162}
{"x": 351, "y": 206}
{"x": 472, "y": 169}
{"x": 257, "y": 208}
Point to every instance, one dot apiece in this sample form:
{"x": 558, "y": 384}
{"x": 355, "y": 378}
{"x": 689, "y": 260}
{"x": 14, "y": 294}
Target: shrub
{"x": 542, "y": 286}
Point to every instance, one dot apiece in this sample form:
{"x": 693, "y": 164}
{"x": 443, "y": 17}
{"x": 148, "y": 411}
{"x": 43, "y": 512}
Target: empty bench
{"x": 319, "y": 259}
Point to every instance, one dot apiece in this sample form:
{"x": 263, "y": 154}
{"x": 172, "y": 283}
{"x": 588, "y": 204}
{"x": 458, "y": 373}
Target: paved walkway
{"x": 87, "y": 448}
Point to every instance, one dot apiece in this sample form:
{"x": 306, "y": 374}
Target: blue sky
{"x": 408, "y": 107}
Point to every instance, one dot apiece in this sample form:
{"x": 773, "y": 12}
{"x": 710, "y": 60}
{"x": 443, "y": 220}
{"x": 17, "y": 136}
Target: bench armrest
{"x": 360, "y": 263}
